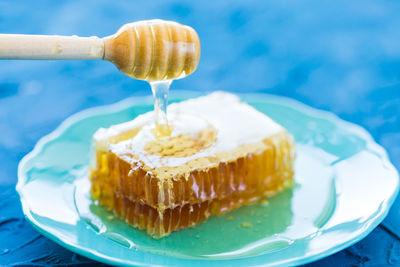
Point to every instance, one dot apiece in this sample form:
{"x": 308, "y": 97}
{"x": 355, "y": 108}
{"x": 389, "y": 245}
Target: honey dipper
{"x": 149, "y": 50}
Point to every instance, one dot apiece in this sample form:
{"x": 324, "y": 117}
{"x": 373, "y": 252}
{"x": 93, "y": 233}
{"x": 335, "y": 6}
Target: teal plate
{"x": 344, "y": 186}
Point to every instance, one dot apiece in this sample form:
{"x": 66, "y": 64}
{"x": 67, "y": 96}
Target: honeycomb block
{"x": 164, "y": 198}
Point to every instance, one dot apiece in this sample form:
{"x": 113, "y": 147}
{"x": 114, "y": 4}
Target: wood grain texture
{"x": 21, "y": 46}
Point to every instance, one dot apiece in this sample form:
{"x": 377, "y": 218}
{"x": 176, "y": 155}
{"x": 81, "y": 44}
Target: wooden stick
{"x": 20, "y": 46}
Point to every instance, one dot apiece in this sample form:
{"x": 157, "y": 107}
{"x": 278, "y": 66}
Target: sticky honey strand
{"x": 121, "y": 188}
{"x": 154, "y": 50}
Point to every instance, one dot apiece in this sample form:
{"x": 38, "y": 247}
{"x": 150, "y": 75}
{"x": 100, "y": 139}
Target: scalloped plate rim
{"x": 123, "y": 104}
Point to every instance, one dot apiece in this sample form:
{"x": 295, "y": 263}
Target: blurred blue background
{"x": 342, "y": 56}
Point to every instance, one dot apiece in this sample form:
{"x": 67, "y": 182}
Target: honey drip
{"x": 160, "y": 91}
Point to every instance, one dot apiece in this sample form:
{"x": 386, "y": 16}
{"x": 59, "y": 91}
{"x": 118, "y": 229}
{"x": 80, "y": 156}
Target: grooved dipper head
{"x": 154, "y": 50}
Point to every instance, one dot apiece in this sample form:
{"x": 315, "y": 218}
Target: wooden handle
{"x": 19, "y": 46}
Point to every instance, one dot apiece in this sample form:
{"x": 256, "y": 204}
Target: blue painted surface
{"x": 342, "y": 56}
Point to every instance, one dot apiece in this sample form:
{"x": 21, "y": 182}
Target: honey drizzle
{"x": 160, "y": 91}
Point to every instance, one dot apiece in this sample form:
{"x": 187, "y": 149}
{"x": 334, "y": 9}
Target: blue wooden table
{"x": 342, "y": 56}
